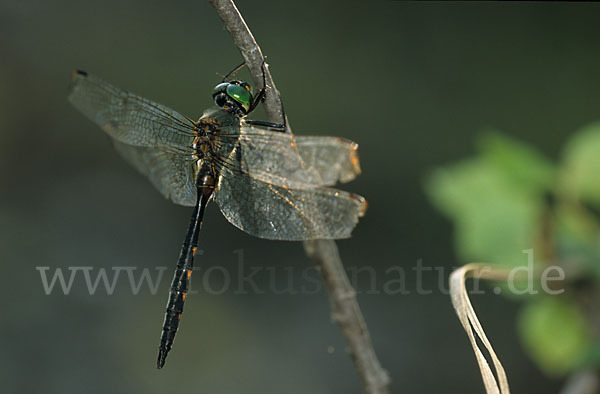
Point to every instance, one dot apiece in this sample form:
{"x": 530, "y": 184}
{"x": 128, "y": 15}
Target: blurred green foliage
{"x": 581, "y": 170}
{"x": 555, "y": 333}
{"x": 510, "y": 198}
{"x": 495, "y": 199}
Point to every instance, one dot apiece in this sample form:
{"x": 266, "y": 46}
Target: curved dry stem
{"x": 494, "y": 384}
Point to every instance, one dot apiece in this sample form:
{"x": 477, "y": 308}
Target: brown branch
{"x": 344, "y": 307}
{"x": 346, "y": 312}
{"x": 244, "y": 40}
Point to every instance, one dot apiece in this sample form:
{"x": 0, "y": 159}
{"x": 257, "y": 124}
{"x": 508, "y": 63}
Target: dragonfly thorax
{"x": 234, "y": 96}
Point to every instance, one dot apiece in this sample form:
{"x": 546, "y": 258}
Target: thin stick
{"x": 346, "y": 312}
{"x": 244, "y": 40}
{"x": 344, "y": 307}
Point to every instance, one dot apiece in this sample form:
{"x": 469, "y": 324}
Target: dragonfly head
{"x": 234, "y": 95}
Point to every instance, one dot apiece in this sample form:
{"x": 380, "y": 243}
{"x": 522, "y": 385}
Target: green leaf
{"x": 519, "y": 162}
{"x": 494, "y": 199}
{"x": 581, "y": 165}
{"x": 555, "y": 334}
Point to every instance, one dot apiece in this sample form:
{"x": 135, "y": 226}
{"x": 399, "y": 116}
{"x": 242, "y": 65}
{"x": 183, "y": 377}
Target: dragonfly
{"x": 267, "y": 182}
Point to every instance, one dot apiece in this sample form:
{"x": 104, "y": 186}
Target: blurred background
{"x": 413, "y": 83}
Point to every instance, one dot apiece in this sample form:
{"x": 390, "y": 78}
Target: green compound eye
{"x": 240, "y": 94}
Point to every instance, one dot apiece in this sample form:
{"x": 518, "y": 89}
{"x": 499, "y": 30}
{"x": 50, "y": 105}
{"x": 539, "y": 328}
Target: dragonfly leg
{"x": 260, "y": 97}
{"x": 261, "y": 93}
{"x": 278, "y": 126}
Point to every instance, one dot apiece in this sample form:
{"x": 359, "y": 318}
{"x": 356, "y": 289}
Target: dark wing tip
{"x": 75, "y": 77}
{"x": 78, "y": 74}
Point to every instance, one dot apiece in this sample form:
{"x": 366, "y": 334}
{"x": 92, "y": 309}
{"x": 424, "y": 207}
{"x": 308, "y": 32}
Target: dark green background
{"x": 412, "y": 83}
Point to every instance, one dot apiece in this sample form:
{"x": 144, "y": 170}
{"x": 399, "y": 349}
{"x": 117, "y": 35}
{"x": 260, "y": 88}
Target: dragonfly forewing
{"x": 128, "y": 118}
{"x": 153, "y": 138}
{"x": 299, "y": 162}
{"x": 334, "y": 159}
{"x": 264, "y": 154}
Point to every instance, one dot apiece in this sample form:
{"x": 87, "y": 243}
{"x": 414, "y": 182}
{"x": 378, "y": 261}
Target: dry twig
{"x": 494, "y": 384}
{"x": 345, "y": 309}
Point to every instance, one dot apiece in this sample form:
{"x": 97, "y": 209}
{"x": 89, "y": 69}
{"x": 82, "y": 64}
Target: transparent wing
{"x": 172, "y": 174}
{"x": 153, "y": 138}
{"x": 128, "y": 118}
{"x": 284, "y": 159}
{"x": 335, "y": 159}
{"x": 278, "y": 212}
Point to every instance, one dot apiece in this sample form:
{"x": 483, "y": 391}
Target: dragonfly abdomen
{"x": 177, "y": 296}
{"x": 183, "y": 271}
